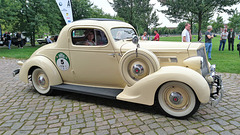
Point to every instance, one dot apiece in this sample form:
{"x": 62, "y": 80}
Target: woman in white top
{"x": 144, "y": 36}
{"x": 224, "y": 36}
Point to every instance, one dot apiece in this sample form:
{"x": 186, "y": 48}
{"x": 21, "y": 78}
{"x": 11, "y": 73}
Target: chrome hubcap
{"x": 138, "y": 69}
{"x": 41, "y": 80}
{"x": 176, "y": 98}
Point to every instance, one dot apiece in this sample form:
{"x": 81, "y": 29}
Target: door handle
{"x": 112, "y": 54}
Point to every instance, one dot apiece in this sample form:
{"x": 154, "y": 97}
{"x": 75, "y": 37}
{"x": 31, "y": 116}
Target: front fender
{"x": 144, "y": 90}
{"x": 45, "y": 64}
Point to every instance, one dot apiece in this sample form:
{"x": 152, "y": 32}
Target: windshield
{"x": 122, "y": 33}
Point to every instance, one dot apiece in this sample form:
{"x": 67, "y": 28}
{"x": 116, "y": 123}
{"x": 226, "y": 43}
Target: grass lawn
{"x": 24, "y": 53}
{"x": 226, "y": 61}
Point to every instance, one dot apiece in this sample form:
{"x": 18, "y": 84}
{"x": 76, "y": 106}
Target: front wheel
{"x": 40, "y": 82}
{"x": 177, "y": 100}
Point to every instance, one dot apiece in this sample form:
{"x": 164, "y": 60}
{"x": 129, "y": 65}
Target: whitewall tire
{"x": 177, "y": 99}
{"x": 40, "y": 82}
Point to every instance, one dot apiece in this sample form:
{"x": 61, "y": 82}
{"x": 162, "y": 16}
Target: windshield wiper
{"x": 117, "y": 39}
{"x": 128, "y": 38}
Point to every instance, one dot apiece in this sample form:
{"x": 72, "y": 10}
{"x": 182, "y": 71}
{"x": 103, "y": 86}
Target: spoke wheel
{"x": 177, "y": 99}
{"x": 40, "y": 82}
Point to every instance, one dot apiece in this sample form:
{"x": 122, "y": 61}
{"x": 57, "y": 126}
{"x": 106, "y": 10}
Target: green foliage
{"x": 138, "y": 13}
{"x": 85, "y": 9}
{"x": 217, "y": 24}
{"x": 31, "y": 16}
{"x": 8, "y": 13}
{"x": 39, "y": 17}
{"x": 234, "y": 21}
{"x": 181, "y": 27}
{"x": 81, "y": 9}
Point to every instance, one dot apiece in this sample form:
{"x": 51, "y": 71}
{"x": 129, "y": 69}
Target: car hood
{"x": 159, "y": 46}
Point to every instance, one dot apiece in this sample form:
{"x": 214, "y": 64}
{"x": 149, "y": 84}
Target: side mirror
{"x": 135, "y": 39}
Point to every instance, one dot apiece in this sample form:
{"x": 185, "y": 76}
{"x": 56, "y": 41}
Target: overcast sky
{"x": 162, "y": 19}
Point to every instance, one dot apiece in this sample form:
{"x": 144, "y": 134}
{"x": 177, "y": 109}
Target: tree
{"x": 81, "y": 9}
{"x": 85, "y": 9}
{"x": 181, "y": 27}
{"x": 38, "y": 17}
{"x": 8, "y": 13}
{"x": 218, "y": 24}
{"x": 35, "y": 14}
{"x": 99, "y": 13}
{"x": 234, "y": 21}
{"x": 138, "y": 13}
{"x": 53, "y": 17}
{"x": 30, "y": 16}
{"x": 201, "y": 9}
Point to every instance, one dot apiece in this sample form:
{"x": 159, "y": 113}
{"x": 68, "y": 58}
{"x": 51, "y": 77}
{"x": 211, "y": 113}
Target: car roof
{"x": 99, "y": 19}
{"x": 102, "y": 22}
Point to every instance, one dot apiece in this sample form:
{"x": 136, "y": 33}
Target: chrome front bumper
{"x": 216, "y": 87}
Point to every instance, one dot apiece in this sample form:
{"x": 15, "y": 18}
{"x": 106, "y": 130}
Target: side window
{"x": 89, "y": 37}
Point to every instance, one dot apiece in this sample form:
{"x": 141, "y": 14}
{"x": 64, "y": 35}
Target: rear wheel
{"x": 40, "y": 82}
{"x": 177, "y": 100}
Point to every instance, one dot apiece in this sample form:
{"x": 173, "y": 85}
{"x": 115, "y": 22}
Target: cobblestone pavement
{"x": 24, "y": 111}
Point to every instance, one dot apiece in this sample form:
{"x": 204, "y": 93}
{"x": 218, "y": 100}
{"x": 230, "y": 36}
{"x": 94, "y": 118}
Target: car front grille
{"x": 205, "y": 69}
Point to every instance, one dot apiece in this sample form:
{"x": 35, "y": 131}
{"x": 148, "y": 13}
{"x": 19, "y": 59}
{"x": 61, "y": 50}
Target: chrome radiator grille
{"x": 205, "y": 69}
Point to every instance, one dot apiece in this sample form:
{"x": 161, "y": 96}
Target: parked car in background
{"x": 23, "y": 36}
{"x": 102, "y": 57}
{"x": 3, "y": 42}
{"x": 44, "y": 40}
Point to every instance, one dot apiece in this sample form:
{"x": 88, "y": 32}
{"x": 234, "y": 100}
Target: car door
{"x": 94, "y": 64}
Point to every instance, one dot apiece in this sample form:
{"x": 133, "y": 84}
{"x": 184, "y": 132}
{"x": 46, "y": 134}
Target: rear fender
{"x": 43, "y": 63}
{"x": 144, "y": 90}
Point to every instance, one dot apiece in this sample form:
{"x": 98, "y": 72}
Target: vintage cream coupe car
{"x": 102, "y": 57}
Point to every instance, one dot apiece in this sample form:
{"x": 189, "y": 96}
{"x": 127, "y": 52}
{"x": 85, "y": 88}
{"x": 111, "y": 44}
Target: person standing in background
{"x": 48, "y": 40}
{"x": 208, "y": 41}
{"x": 186, "y": 33}
{"x": 223, "y": 39}
{"x": 144, "y": 36}
{"x": 157, "y": 37}
{"x": 5, "y": 37}
{"x": 9, "y": 39}
{"x": 19, "y": 39}
{"x": 231, "y": 37}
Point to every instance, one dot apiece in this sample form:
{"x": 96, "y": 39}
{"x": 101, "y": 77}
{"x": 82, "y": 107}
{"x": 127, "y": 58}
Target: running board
{"x": 93, "y": 91}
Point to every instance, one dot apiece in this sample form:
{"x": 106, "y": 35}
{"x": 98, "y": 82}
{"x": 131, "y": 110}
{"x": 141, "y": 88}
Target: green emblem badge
{"x": 62, "y": 61}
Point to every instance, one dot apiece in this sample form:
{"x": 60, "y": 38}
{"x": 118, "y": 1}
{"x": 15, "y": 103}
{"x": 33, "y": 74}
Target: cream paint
{"x": 46, "y": 65}
{"x": 144, "y": 90}
{"x": 108, "y": 74}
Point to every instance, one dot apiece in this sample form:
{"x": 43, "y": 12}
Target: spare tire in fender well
{"x": 137, "y": 63}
